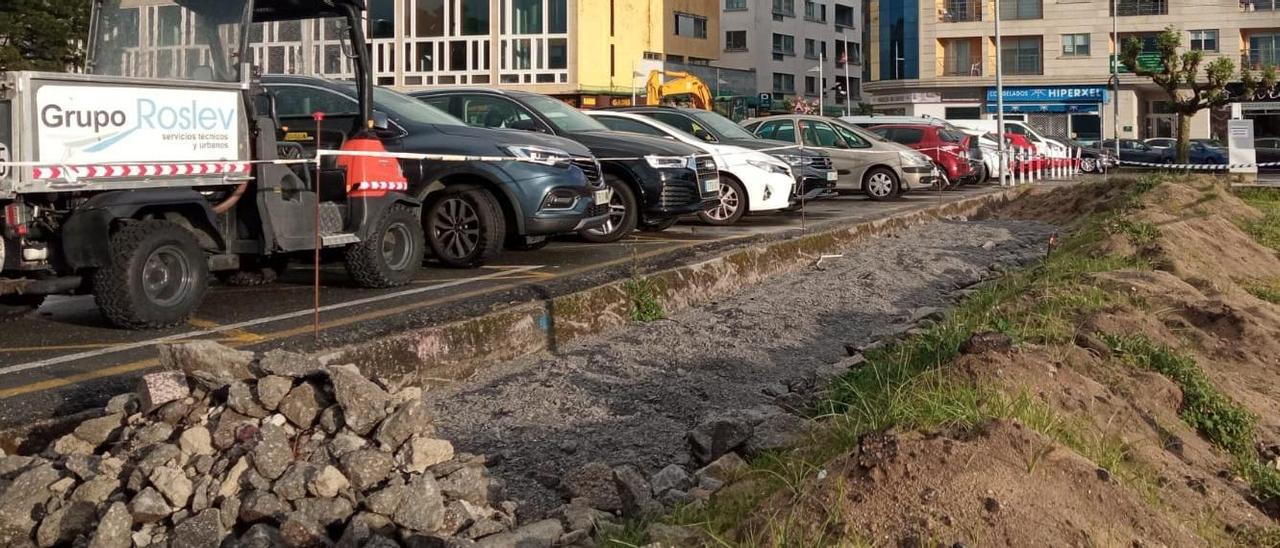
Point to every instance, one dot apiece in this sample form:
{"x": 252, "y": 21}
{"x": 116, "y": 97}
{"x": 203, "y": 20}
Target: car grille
{"x": 820, "y": 162}
{"x": 706, "y": 168}
{"x": 591, "y": 168}
{"x": 676, "y": 196}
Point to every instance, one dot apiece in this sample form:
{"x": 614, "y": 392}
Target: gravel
{"x": 631, "y": 397}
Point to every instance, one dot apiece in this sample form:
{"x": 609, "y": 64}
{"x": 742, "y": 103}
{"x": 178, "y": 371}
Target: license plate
{"x": 711, "y": 186}
{"x": 604, "y": 195}
{"x": 832, "y": 176}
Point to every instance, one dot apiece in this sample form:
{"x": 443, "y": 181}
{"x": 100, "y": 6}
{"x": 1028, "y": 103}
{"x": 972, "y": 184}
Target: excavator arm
{"x": 682, "y": 83}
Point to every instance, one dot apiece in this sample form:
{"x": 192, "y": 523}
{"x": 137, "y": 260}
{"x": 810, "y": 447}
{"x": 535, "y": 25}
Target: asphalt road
{"x": 65, "y": 358}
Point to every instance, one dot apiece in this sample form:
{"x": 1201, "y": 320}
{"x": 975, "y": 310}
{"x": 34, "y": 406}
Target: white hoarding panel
{"x": 87, "y": 124}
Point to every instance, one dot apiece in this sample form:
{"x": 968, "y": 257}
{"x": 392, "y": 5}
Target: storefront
{"x": 1057, "y": 111}
{"x": 1263, "y": 108}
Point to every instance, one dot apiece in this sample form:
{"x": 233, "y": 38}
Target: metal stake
{"x": 315, "y": 263}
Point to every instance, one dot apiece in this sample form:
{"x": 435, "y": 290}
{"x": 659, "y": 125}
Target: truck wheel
{"x": 392, "y": 253}
{"x": 463, "y": 225}
{"x": 255, "y": 271}
{"x": 880, "y": 184}
{"x": 157, "y": 276}
{"x": 622, "y": 214}
{"x": 731, "y": 207}
{"x": 13, "y": 307}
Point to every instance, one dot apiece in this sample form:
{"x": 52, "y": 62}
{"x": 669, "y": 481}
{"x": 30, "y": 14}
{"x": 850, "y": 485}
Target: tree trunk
{"x": 1184, "y": 138}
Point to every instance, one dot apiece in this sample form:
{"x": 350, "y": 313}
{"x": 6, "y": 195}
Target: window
{"x": 1075, "y": 45}
{"x": 852, "y": 138}
{"x": 816, "y": 134}
{"x": 628, "y": 125}
{"x": 526, "y": 16}
{"x": 678, "y": 121}
{"x": 963, "y": 113}
{"x": 781, "y": 130}
{"x": 1022, "y": 55}
{"x": 475, "y": 17}
{"x": 1264, "y": 49}
{"x": 784, "y": 44}
{"x": 1127, "y": 8}
{"x": 844, "y": 16}
{"x": 1021, "y": 9}
{"x": 961, "y": 57}
{"x": 304, "y": 100}
{"x": 810, "y": 48}
{"x": 653, "y": 56}
{"x": 784, "y": 7}
{"x": 675, "y": 59}
{"x": 784, "y": 83}
{"x": 815, "y": 12}
{"x": 492, "y": 112}
{"x": 1204, "y": 40}
{"x": 382, "y": 19}
{"x": 735, "y": 5}
{"x": 557, "y": 53}
{"x": 557, "y": 16}
{"x": 430, "y": 18}
{"x": 810, "y": 85}
{"x": 905, "y": 135}
{"x": 735, "y": 40}
{"x": 692, "y": 26}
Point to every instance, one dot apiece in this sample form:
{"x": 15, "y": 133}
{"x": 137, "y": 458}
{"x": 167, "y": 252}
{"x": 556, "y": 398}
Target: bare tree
{"x": 1178, "y": 75}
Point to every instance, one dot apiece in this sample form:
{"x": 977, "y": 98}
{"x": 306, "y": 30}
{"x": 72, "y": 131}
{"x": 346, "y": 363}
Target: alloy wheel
{"x": 456, "y": 227}
{"x": 617, "y": 211}
{"x": 728, "y": 205}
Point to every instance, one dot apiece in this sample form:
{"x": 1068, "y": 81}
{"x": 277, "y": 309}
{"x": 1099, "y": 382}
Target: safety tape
{"x": 1203, "y": 167}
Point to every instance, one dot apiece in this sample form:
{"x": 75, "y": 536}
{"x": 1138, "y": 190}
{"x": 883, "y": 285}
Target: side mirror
{"x": 381, "y": 121}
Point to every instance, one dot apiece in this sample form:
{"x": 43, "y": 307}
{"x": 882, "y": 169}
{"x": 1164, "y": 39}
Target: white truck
{"x": 159, "y": 167}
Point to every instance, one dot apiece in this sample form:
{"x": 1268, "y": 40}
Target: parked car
{"x": 1268, "y": 152}
{"x": 1161, "y": 142}
{"x": 1043, "y": 145}
{"x": 750, "y": 181}
{"x": 1133, "y": 150}
{"x": 1094, "y": 159}
{"x": 470, "y": 208}
{"x": 875, "y": 167}
{"x": 815, "y": 176}
{"x": 1199, "y": 151}
{"x": 865, "y": 121}
{"x": 950, "y": 149}
{"x": 654, "y": 181}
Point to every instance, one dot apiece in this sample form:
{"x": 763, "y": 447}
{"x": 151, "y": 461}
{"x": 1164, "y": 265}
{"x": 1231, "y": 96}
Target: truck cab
{"x": 159, "y": 167}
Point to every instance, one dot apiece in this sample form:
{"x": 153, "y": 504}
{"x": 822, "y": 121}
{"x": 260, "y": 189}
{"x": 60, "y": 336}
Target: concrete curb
{"x": 456, "y": 350}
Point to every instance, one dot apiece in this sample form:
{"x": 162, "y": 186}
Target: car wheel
{"x": 880, "y": 184}
{"x": 731, "y": 207}
{"x": 650, "y": 225}
{"x": 463, "y": 225}
{"x": 622, "y": 214}
{"x": 13, "y": 307}
{"x": 392, "y": 253}
{"x": 1088, "y": 165}
{"x": 157, "y": 277}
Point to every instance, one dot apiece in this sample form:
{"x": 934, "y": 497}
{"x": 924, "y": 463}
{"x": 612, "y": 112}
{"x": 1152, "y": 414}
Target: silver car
{"x": 866, "y": 162}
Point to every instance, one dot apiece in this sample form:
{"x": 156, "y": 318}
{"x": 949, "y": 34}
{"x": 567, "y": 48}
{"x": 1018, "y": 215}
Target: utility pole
{"x": 1115, "y": 77}
{"x": 1004, "y": 157}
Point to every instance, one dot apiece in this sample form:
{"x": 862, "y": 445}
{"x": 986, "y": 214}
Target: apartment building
{"x": 785, "y": 41}
{"x": 937, "y": 57}
{"x": 588, "y": 52}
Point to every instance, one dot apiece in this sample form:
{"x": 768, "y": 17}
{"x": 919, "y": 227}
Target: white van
{"x": 1044, "y": 145}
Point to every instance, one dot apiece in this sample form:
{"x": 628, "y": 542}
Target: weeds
{"x": 1267, "y": 291}
{"x": 643, "y": 293}
{"x": 1266, "y": 230}
{"x": 1139, "y": 233}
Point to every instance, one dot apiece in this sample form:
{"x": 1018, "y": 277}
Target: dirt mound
{"x": 1006, "y": 486}
{"x": 1063, "y": 206}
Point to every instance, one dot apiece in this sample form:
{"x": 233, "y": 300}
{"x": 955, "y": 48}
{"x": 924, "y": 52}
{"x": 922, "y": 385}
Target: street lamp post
{"x": 1115, "y": 77}
{"x": 1000, "y": 130}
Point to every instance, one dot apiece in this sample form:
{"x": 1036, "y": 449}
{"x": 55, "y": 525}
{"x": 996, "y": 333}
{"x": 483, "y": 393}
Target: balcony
{"x": 961, "y": 11}
{"x": 1131, "y": 8}
{"x": 1250, "y": 6}
{"x": 964, "y": 66}
{"x": 1260, "y": 58}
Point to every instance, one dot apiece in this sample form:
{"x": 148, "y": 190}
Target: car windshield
{"x": 405, "y": 108}
{"x": 722, "y": 127}
{"x": 564, "y": 117}
{"x": 194, "y": 41}
{"x": 860, "y": 132}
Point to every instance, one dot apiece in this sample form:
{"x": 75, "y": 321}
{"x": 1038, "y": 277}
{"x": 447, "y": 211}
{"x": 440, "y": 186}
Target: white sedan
{"x": 750, "y": 181}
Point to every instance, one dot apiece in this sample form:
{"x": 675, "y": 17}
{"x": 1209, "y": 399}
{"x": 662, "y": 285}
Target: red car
{"x": 952, "y": 150}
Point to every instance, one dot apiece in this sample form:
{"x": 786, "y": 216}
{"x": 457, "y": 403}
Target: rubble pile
{"x": 225, "y": 448}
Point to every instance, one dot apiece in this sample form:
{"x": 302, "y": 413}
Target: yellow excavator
{"x": 682, "y": 83}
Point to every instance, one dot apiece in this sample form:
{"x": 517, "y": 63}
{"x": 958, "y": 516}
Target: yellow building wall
{"x": 631, "y": 27}
{"x": 871, "y": 51}
{"x": 708, "y": 48}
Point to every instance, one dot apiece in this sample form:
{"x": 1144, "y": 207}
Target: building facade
{"x": 938, "y": 58}
{"x": 785, "y": 41}
{"x": 588, "y": 52}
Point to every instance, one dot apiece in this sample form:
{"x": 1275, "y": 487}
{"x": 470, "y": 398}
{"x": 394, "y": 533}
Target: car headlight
{"x": 667, "y": 162}
{"x": 540, "y": 155}
{"x": 793, "y": 160}
{"x": 771, "y": 167}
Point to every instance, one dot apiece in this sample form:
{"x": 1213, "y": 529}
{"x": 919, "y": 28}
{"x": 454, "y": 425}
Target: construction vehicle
{"x": 682, "y": 83}
{"x": 160, "y": 166}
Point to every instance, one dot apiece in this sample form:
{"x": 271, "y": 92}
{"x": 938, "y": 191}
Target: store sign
{"x": 909, "y": 98}
{"x": 1051, "y": 95}
{"x": 1146, "y": 61}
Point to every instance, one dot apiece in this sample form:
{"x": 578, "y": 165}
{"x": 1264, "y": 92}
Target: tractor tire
{"x": 256, "y": 271}
{"x": 13, "y": 307}
{"x": 391, "y": 255}
{"x": 157, "y": 277}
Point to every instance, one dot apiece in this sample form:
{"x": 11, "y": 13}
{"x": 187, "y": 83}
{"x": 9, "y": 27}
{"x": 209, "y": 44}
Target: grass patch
{"x": 1226, "y": 424}
{"x": 643, "y": 293}
{"x": 1267, "y": 291}
{"x": 902, "y": 386}
{"x": 1267, "y": 230}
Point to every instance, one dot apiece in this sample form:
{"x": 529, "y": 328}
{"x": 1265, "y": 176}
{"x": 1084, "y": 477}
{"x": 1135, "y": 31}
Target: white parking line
{"x": 255, "y": 322}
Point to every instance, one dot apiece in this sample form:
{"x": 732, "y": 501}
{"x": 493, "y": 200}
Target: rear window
{"x": 906, "y": 135}
{"x": 951, "y": 136}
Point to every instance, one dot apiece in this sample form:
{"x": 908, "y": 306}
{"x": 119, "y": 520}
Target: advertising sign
{"x": 1240, "y": 145}
{"x": 1050, "y": 95}
{"x": 85, "y": 125}
{"x": 1147, "y": 60}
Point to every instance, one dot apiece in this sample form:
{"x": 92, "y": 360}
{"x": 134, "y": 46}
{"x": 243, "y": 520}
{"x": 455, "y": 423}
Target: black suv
{"x": 470, "y": 208}
{"x": 815, "y": 175}
{"x": 654, "y": 180}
